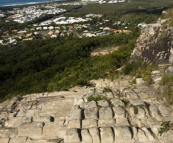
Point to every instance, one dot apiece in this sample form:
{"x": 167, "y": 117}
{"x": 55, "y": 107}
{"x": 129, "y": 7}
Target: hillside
{"x": 46, "y": 64}
{"x": 111, "y": 89}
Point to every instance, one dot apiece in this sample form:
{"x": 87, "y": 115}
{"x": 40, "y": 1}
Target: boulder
{"x": 103, "y": 103}
{"x": 32, "y": 112}
{"x": 150, "y": 121}
{"x": 140, "y": 81}
{"x": 21, "y": 113}
{"x": 117, "y": 102}
{"x": 75, "y": 114}
{"x": 136, "y": 102}
{"x": 74, "y": 124}
{"x": 59, "y": 140}
{"x": 155, "y": 113}
{"x": 48, "y": 112}
{"x": 4, "y": 140}
{"x": 91, "y": 104}
{"x": 141, "y": 113}
{"x": 122, "y": 134}
{"x": 8, "y": 132}
{"x": 148, "y": 135}
{"x": 30, "y": 129}
{"x": 105, "y": 113}
{"x": 106, "y": 123}
{"x": 72, "y": 136}
{"x": 27, "y": 120}
{"x": 171, "y": 58}
{"x": 78, "y": 101}
{"x": 164, "y": 110}
{"x": 89, "y": 123}
{"x": 18, "y": 140}
{"x": 169, "y": 70}
{"x": 35, "y": 141}
{"x": 107, "y": 135}
{"x": 86, "y": 138}
{"x": 45, "y": 119}
{"x": 13, "y": 123}
{"x": 109, "y": 95}
{"x": 141, "y": 136}
{"x": 91, "y": 113}
{"x": 119, "y": 112}
{"x": 166, "y": 137}
{"x": 94, "y": 132}
{"x": 122, "y": 122}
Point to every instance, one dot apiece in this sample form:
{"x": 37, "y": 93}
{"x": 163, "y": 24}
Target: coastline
{"x": 34, "y": 3}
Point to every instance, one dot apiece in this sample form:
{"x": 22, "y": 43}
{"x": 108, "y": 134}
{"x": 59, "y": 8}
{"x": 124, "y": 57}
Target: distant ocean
{"x": 21, "y": 2}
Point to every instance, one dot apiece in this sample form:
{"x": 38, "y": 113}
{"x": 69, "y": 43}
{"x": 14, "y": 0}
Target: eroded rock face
{"x": 151, "y": 48}
{"x": 132, "y": 114}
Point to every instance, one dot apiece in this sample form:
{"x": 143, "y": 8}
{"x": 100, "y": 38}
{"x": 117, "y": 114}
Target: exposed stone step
{"x": 127, "y": 114}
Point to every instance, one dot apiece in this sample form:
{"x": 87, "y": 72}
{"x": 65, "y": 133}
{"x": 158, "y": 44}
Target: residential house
{"x": 36, "y": 33}
{"x": 1, "y": 41}
{"x": 6, "y": 32}
{"x": 50, "y": 33}
{"x": 89, "y": 35}
{"x": 57, "y": 32}
{"x": 28, "y": 39}
{"x": 14, "y": 31}
{"x": 45, "y": 28}
{"x": 29, "y": 35}
{"x": 21, "y": 32}
{"x": 53, "y": 36}
{"x": 106, "y": 29}
{"x": 11, "y": 40}
{"x": 101, "y": 34}
{"x": 50, "y": 27}
{"x": 38, "y": 28}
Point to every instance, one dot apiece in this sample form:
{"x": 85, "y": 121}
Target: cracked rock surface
{"x": 128, "y": 114}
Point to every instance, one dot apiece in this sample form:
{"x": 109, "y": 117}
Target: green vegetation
{"x": 161, "y": 36}
{"x": 98, "y": 98}
{"x": 135, "y": 110}
{"x": 107, "y": 90}
{"x": 131, "y": 68}
{"x": 133, "y": 82}
{"x": 60, "y": 63}
{"x": 167, "y": 82}
{"x": 136, "y": 68}
{"x": 126, "y": 101}
{"x": 168, "y": 15}
{"x": 165, "y": 126}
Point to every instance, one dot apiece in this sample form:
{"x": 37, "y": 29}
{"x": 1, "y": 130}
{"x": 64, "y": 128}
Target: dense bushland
{"x": 60, "y": 63}
{"x": 57, "y": 64}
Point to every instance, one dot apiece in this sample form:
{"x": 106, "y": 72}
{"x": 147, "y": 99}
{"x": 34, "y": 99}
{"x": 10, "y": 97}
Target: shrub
{"x": 100, "y": 97}
{"x": 131, "y": 68}
{"x": 167, "y": 81}
{"x": 96, "y": 98}
{"x": 106, "y": 89}
{"x": 165, "y": 126}
{"x": 135, "y": 110}
{"x": 161, "y": 36}
{"x": 133, "y": 82}
{"x": 126, "y": 102}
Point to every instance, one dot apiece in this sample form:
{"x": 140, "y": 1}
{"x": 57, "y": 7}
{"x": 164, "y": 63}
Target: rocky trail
{"x": 128, "y": 114}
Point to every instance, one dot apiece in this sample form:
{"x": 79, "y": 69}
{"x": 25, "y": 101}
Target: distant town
{"x": 60, "y": 26}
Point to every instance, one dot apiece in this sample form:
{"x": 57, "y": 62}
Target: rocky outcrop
{"x": 154, "y": 45}
{"x": 128, "y": 114}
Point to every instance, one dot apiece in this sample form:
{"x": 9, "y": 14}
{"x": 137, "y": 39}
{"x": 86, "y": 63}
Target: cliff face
{"x": 154, "y": 45}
